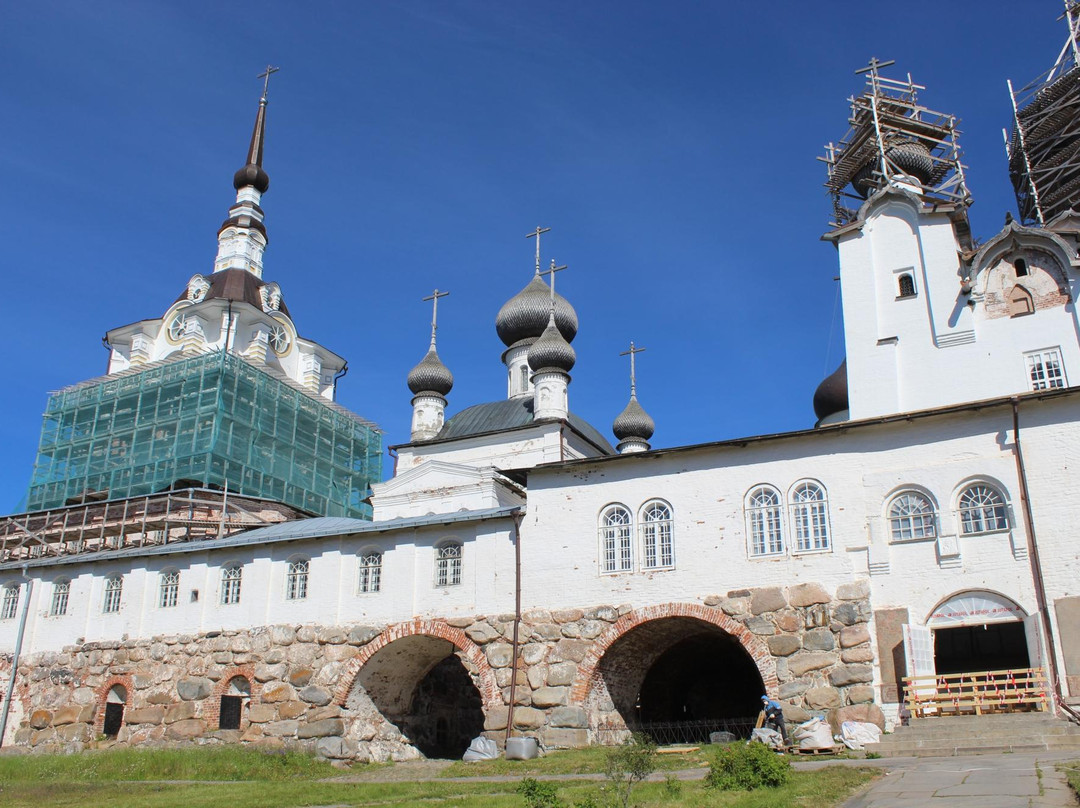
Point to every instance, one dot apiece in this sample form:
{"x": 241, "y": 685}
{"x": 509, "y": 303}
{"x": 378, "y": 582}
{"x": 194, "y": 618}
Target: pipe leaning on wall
{"x": 6, "y": 706}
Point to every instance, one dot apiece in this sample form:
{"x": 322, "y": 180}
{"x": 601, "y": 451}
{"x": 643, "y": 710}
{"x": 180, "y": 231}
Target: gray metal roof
{"x": 319, "y": 527}
{"x": 513, "y": 413}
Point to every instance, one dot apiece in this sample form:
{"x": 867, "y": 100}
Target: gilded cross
{"x": 536, "y": 234}
{"x": 434, "y": 298}
{"x": 633, "y": 370}
{"x": 265, "y": 76}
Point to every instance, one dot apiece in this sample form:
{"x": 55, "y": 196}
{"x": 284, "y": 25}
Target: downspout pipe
{"x": 15, "y": 656}
{"x": 517, "y": 624}
{"x": 1036, "y": 568}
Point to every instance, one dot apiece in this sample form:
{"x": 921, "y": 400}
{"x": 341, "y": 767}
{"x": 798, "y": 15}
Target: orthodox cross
{"x": 633, "y": 370}
{"x": 872, "y": 68}
{"x": 434, "y": 298}
{"x": 536, "y": 234}
{"x": 551, "y": 272}
{"x": 265, "y": 76}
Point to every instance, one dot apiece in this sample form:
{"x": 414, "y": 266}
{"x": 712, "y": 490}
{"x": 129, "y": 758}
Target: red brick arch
{"x": 758, "y": 651}
{"x": 489, "y": 690}
{"x": 102, "y": 693}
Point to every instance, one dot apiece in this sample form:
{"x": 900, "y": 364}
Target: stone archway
{"x": 675, "y": 669}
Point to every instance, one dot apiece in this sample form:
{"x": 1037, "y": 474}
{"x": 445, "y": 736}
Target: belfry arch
{"x": 677, "y": 671}
{"x": 426, "y": 680}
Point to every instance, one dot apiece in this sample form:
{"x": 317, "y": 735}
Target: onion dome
{"x": 551, "y": 351}
{"x": 430, "y": 375}
{"x": 633, "y": 422}
{"x": 253, "y": 174}
{"x": 831, "y": 395}
{"x": 911, "y": 157}
{"x": 525, "y": 315}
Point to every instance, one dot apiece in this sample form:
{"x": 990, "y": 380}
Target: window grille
{"x": 448, "y": 565}
{"x": 296, "y": 580}
{"x": 60, "y": 592}
{"x": 615, "y": 546}
{"x": 1045, "y": 370}
{"x": 230, "y": 584}
{"x": 114, "y": 587}
{"x": 911, "y": 516}
{"x": 810, "y": 517}
{"x": 656, "y": 542}
{"x": 982, "y": 510}
{"x": 907, "y": 286}
{"x": 370, "y": 572}
{"x": 11, "y": 602}
{"x": 763, "y": 516}
{"x": 168, "y": 589}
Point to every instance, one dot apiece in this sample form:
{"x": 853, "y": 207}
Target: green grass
{"x": 1072, "y": 773}
{"x": 573, "y": 761}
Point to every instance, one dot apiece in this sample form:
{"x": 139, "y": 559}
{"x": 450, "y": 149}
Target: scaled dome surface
{"x": 430, "y": 375}
{"x": 551, "y": 351}
{"x": 525, "y": 315}
{"x": 633, "y": 422}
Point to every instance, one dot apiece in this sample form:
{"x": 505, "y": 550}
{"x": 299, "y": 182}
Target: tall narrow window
{"x": 11, "y": 602}
{"x": 230, "y": 584}
{"x": 982, "y": 510}
{"x": 1045, "y": 370}
{"x": 907, "y": 285}
{"x": 764, "y": 521}
{"x": 60, "y": 591}
{"x": 615, "y": 550}
{"x": 1021, "y": 267}
{"x": 168, "y": 588}
{"x": 370, "y": 572}
{"x": 810, "y": 517}
{"x": 114, "y": 588}
{"x": 656, "y": 545}
{"x": 296, "y": 579}
{"x": 448, "y": 564}
{"x": 911, "y": 517}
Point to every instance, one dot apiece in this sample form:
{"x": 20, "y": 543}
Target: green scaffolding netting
{"x": 211, "y": 418}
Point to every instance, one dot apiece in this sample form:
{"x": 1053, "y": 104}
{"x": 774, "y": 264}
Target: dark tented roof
{"x": 497, "y": 416}
{"x": 236, "y": 284}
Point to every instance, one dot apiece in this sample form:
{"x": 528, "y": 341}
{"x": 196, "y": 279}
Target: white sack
{"x": 857, "y": 734}
{"x": 481, "y": 748}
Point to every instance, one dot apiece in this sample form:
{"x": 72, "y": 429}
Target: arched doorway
{"x": 114, "y": 711}
{"x": 676, "y": 675}
{"x": 978, "y": 631}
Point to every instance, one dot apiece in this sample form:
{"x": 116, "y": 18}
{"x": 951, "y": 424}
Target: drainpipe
{"x": 340, "y": 374}
{"x": 15, "y": 657}
{"x": 517, "y": 623}
{"x": 1036, "y": 567}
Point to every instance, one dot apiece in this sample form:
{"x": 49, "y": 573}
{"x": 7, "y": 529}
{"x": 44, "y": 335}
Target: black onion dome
{"x": 430, "y": 376}
{"x": 633, "y": 422}
{"x": 525, "y": 315}
{"x": 551, "y": 350}
{"x": 252, "y": 175}
{"x": 831, "y": 395}
{"x": 912, "y": 157}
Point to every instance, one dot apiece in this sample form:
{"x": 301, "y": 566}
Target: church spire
{"x": 242, "y": 237}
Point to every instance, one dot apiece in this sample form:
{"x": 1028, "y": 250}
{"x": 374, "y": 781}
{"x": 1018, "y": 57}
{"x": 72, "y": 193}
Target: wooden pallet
{"x": 829, "y": 750}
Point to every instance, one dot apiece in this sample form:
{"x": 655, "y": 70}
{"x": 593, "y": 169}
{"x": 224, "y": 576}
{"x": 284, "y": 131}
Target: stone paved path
{"x": 983, "y": 781}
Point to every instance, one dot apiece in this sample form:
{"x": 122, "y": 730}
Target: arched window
{"x": 296, "y": 579}
{"x": 982, "y": 510}
{"x": 114, "y": 710}
{"x": 911, "y": 517}
{"x": 168, "y": 588}
{"x": 763, "y": 521}
{"x": 11, "y": 602}
{"x": 810, "y": 517}
{"x": 448, "y": 564}
{"x": 1020, "y": 302}
{"x": 61, "y": 588}
{"x": 615, "y": 550}
{"x": 230, "y": 583}
{"x": 1021, "y": 267}
{"x": 114, "y": 588}
{"x": 370, "y": 571}
{"x": 657, "y": 550}
{"x": 232, "y": 702}
{"x": 907, "y": 285}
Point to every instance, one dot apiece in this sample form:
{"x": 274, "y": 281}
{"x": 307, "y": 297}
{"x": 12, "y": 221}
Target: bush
{"x": 538, "y": 794}
{"x": 629, "y": 764}
{"x": 744, "y": 767}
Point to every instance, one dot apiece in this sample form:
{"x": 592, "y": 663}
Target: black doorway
{"x": 114, "y": 719}
{"x": 988, "y": 647}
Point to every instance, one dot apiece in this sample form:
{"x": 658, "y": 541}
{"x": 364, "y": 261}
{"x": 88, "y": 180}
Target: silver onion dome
{"x": 633, "y": 422}
{"x": 910, "y": 156}
{"x": 551, "y": 351}
{"x": 525, "y": 315}
{"x": 430, "y": 375}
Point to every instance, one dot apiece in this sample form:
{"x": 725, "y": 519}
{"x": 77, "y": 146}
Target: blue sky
{"x": 670, "y": 147}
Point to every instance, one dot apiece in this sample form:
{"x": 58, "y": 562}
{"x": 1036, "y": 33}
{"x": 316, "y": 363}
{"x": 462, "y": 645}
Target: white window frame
{"x": 765, "y": 522}
{"x": 985, "y": 510}
{"x": 656, "y": 526}
{"x": 168, "y": 588}
{"x": 1038, "y": 363}
{"x": 296, "y": 579}
{"x": 448, "y": 558}
{"x": 61, "y": 593}
{"x": 232, "y": 576}
{"x": 114, "y": 593}
{"x": 907, "y": 524}
{"x": 369, "y": 578}
{"x": 616, "y": 531}
{"x": 809, "y": 517}
{"x": 10, "y": 606}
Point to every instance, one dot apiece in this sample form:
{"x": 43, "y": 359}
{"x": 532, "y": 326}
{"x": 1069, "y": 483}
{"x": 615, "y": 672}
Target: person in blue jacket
{"x": 774, "y": 715}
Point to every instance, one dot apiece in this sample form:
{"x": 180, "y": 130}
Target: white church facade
{"x": 522, "y": 576}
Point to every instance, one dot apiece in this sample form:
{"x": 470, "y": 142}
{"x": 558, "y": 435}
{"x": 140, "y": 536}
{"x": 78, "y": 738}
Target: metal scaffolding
{"x": 211, "y": 420}
{"x": 1044, "y": 145}
{"x": 893, "y": 138}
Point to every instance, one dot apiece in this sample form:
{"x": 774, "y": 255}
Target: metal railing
{"x": 673, "y": 732}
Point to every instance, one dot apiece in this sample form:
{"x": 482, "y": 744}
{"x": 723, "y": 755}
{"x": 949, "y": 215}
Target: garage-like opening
{"x": 677, "y": 679}
{"x": 986, "y": 647}
{"x": 422, "y": 686}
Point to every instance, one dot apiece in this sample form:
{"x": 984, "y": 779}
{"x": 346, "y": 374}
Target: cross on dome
{"x": 434, "y": 298}
{"x": 265, "y": 76}
{"x": 633, "y": 370}
{"x": 536, "y": 234}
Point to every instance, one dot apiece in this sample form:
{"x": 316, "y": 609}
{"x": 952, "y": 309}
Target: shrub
{"x": 629, "y": 764}
{"x": 746, "y": 767}
{"x": 538, "y": 794}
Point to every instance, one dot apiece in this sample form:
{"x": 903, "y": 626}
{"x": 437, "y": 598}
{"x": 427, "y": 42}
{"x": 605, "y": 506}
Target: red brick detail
{"x": 102, "y": 693}
{"x": 489, "y": 690}
{"x": 758, "y": 651}
{"x": 211, "y": 709}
